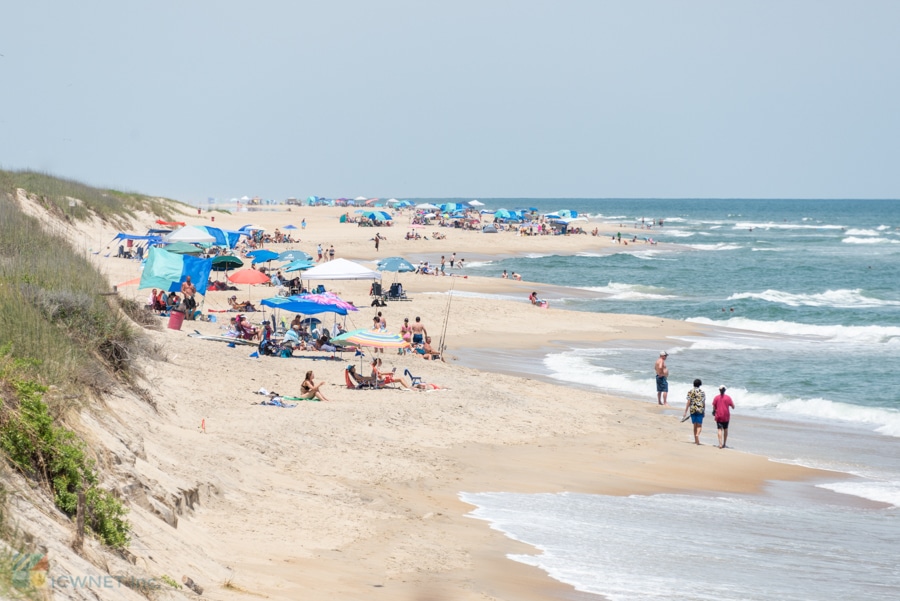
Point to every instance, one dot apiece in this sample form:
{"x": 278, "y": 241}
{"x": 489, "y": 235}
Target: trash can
{"x": 176, "y": 318}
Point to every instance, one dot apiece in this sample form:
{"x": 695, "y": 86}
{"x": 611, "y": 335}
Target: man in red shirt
{"x": 722, "y": 406}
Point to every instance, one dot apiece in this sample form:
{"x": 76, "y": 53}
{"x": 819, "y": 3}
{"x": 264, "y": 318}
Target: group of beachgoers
{"x": 695, "y": 405}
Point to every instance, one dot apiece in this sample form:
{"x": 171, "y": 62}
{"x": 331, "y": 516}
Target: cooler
{"x": 176, "y": 318}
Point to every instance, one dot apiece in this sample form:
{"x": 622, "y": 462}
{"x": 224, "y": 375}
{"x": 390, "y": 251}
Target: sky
{"x": 219, "y": 99}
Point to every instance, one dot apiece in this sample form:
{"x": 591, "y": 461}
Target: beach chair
{"x": 396, "y": 292}
{"x": 358, "y": 382}
{"x": 413, "y": 380}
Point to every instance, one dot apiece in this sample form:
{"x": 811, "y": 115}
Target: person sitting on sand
{"x": 245, "y": 306}
{"x": 292, "y": 338}
{"x": 310, "y": 390}
{"x": 426, "y": 350}
{"x": 324, "y": 344}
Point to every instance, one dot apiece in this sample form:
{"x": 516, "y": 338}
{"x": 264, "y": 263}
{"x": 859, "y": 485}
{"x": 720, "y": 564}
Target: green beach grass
{"x": 60, "y": 328}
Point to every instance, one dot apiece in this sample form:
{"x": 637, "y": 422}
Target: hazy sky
{"x": 200, "y": 98}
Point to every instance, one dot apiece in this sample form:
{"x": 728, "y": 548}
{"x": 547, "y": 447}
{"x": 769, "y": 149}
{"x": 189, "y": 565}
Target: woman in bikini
{"x": 310, "y": 390}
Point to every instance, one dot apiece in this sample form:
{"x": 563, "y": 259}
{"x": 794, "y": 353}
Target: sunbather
{"x": 310, "y": 390}
{"x": 388, "y": 377}
{"x": 244, "y": 306}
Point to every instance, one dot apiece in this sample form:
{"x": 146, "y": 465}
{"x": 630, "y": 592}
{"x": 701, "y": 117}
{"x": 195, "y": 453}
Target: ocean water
{"x": 798, "y": 303}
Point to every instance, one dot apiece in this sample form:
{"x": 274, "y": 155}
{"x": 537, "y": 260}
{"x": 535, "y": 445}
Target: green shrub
{"x": 54, "y": 455}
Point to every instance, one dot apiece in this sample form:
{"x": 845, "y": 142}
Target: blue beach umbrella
{"x": 290, "y": 226}
{"x": 294, "y": 255}
{"x": 377, "y": 215}
{"x": 398, "y": 264}
{"x": 262, "y": 256}
{"x": 298, "y": 265}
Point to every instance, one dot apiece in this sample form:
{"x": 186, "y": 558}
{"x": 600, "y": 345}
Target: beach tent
{"x": 341, "y": 269}
{"x": 168, "y": 270}
{"x": 296, "y": 304}
{"x": 190, "y": 233}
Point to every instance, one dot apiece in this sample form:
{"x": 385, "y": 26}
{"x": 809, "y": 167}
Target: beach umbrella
{"x": 298, "y": 265}
{"x": 250, "y": 227}
{"x": 377, "y": 215}
{"x": 328, "y": 299}
{"x": 371, "y": 338}
{"x": 248, "y": 276}
{"x": 290, "y": 226}
{"x": 502, "y": 214}
{"x": 183, "y": 248}
{"x": 475, "y": 203}
{"x": 398, "y": 264}
{"x": 448, "y": 207}
{"x": 427, "y": 206}
{"x": 294, "y": 255}
{"x": 262, "y": 256}
{"x": 226, "y": 263}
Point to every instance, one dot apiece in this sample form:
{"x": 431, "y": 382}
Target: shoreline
{"x": 373, "y": 478}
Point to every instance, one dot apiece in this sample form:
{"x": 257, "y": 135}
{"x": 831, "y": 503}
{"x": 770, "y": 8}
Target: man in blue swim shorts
{"x": 662, "y": 381}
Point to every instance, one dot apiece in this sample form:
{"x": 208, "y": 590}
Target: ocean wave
{"x": 674, "y": 233}
{"x": 857, "y": 232}
{"x": 863, "y": 335}
{"x": 886, "y": 420}
{"x": 745, "y": 225}
{"x": 771, "y": 250}
{"x": 616, "y": 291}
{"x": 719, "y": 246}
{"x": 538, "y": 255}
{"x": 856, "y": 240}
{"x": 717, "y": 344}
{"x": 882, "y": 492}
{"x": 473, "y": 263}
{"x": 840, "y": 299}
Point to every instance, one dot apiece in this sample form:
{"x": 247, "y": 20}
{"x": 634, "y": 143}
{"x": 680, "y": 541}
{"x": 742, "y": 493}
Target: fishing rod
{"x": 441, "y": 346}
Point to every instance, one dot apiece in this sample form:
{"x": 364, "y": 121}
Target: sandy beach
{"x": 357, "y": 498}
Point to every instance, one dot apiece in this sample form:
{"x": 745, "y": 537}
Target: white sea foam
{"x": 617, "y": 291}
{"x": 882, "y": 492}
{"x": 886, "y": 420}
{"x": 771, "y": 250}
{"x": 537, "y": 255}
{"x": 745, "y": 225}
{"x": 719, "y": 246}
{"x": 833, "y": 333}
{"x": 473, "y": 263}
{"x": 674, "y": 233}
{"x": 857, "y": 240}
{"x": 842, "y": 299}
{"x": 858, "y": 232}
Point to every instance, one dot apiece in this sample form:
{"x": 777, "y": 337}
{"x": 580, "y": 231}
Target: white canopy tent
{"x": 341, "y": 269}
{"x": 190, "y": 233}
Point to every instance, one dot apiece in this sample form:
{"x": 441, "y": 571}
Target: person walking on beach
{"x": 722, "y": 405}
{"x": 452, "y": 260}
{"x": 696, "y": 404}
{"x": 662, "y": 379}
{"x": 331, "y": 252}
{"x": 319, "y": 252}
{"x": 377, "y": 239}
{"x": 418, "y": 331}
{"x": 188, "y": 290}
